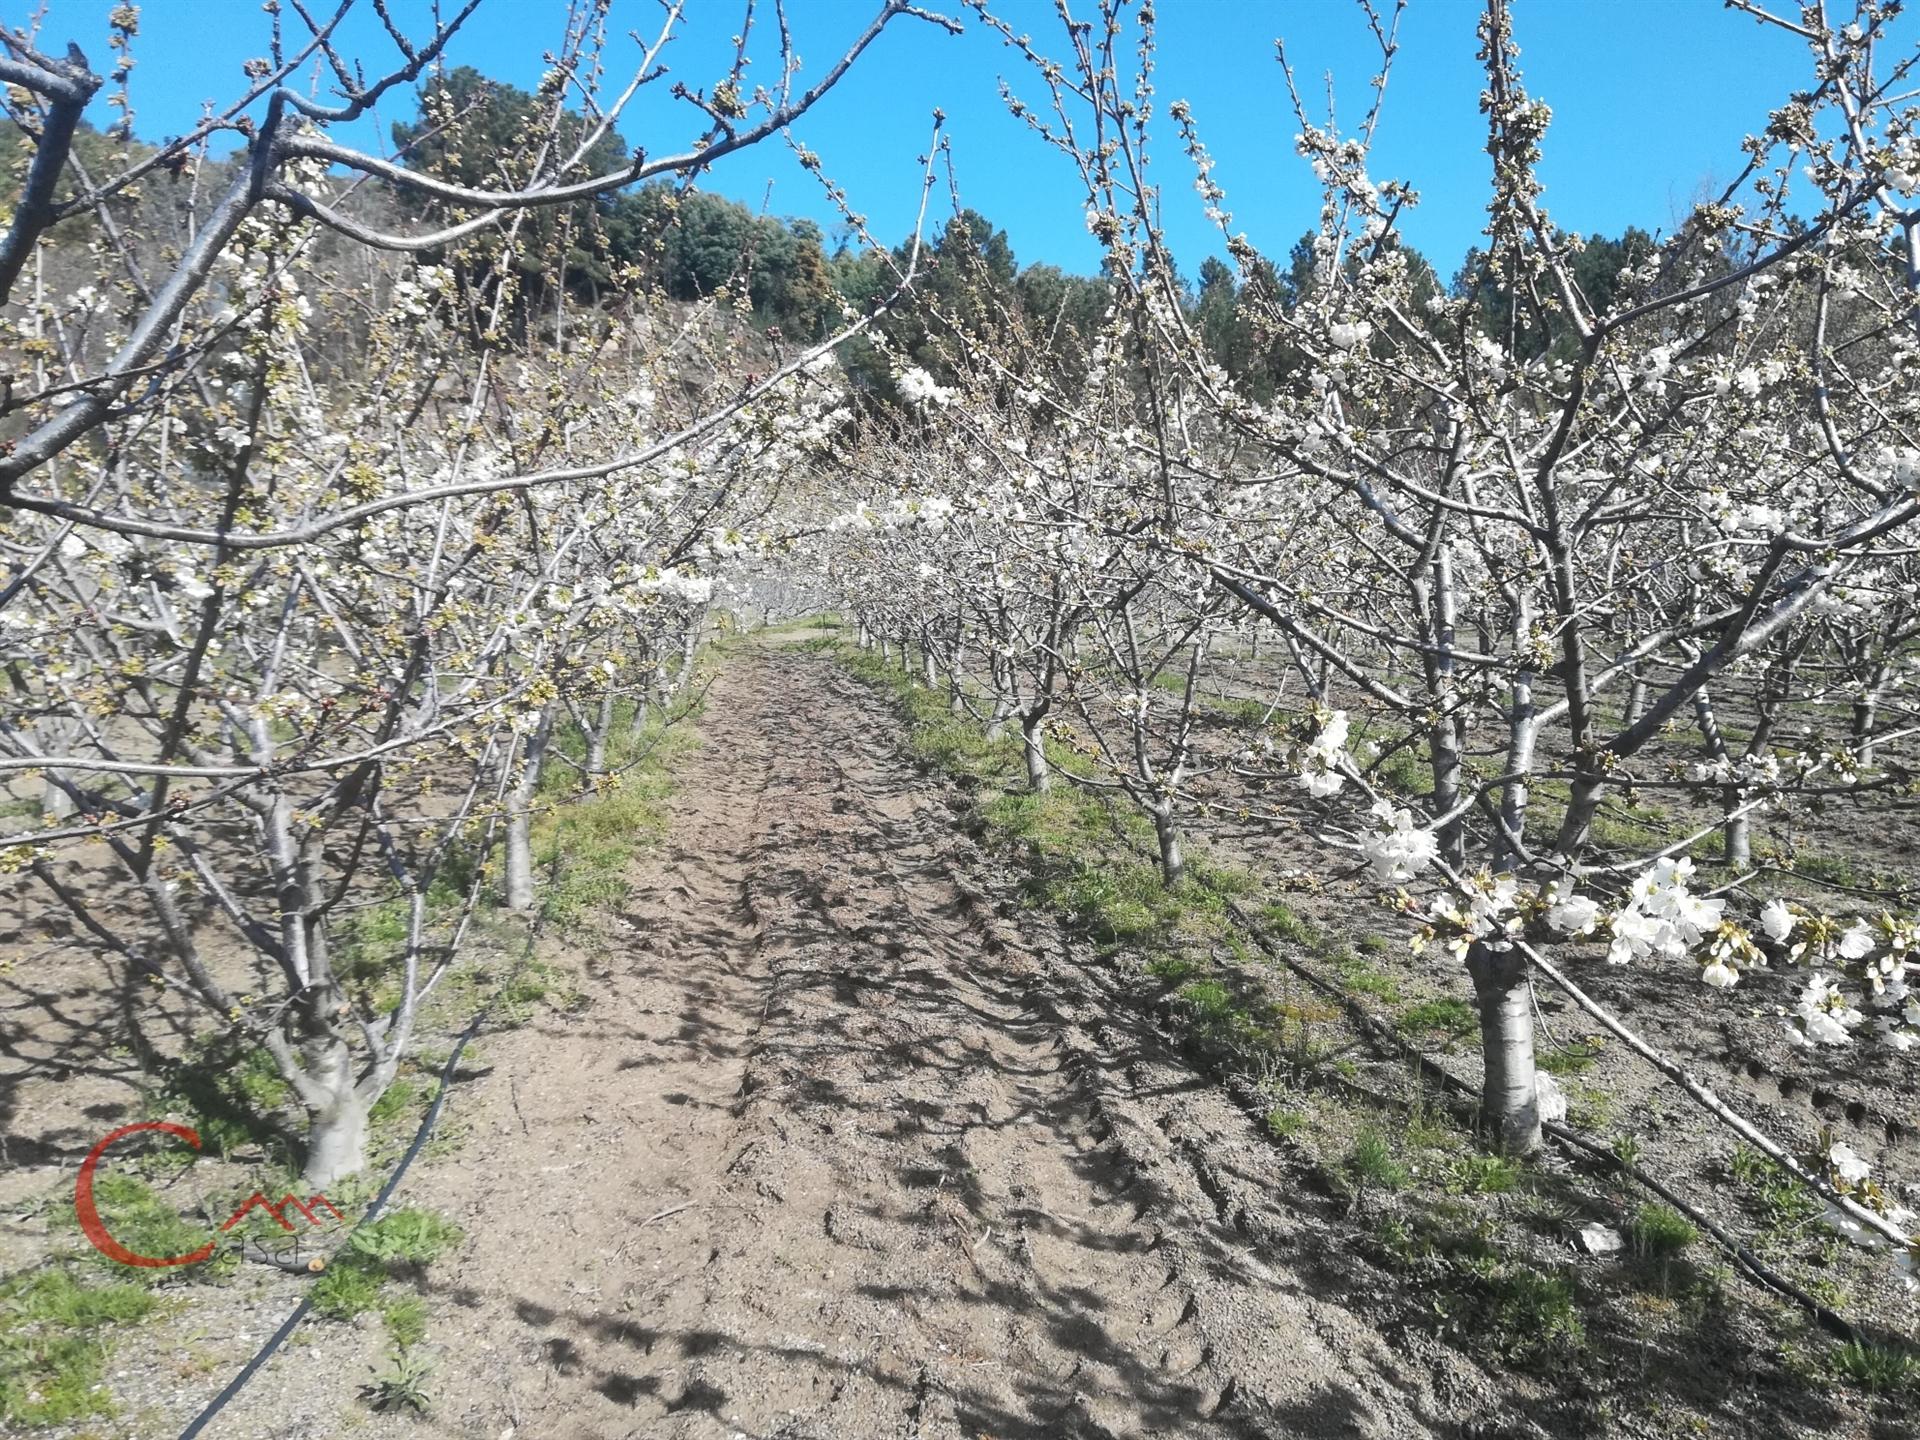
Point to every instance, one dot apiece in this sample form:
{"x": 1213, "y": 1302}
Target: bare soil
{"x": 836, "y": 1149}
{"x": 841, "y": 1141}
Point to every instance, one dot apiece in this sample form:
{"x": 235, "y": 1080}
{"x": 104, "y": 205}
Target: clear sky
{"x": 1650, "y": 98}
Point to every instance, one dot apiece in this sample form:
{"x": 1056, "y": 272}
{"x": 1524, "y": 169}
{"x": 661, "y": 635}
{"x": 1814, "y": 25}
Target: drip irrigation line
{"x": 420, "y": 1138}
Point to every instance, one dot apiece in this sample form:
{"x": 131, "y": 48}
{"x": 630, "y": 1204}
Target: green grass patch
{"x": 1283, "y": 1121}
{"x": 1448, "y": 1020}
{"x": 54, "y": 1341}
{"x": 1282, "y": 924}
{"x": 1210, "y": 1001}
{"x": 1172, "y": 968}
{"x": 1372, "y": 1164}
{"x": 587, "y": 839}
{"x": 1574, "y": 1058}
{"x": 404, "y": 1099}
{"x": 230, "y": 1092}
{"x": 1484, "y": 1174}
{"x": 356, "y": 1280}
{"x": 146, "y": 1224}
{"x": 1361, "y": 977}
{"x": 1476, "y": 1296}
{"x": 1889, "y": 1369}
{"x": 1659, "y": 1232}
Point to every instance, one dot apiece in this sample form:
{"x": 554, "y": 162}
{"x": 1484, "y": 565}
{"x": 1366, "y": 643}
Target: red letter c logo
{"x": 90, "y": 1223}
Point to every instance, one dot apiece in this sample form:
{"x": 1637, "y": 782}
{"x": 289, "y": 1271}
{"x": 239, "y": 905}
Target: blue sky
{"x": 1650, "y": 101}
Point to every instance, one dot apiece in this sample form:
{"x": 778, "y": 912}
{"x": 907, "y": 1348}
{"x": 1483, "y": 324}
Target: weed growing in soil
{"x": 412, "y": 1237}
{"x": 346, "y": 1290}
{"x": 1659, "y": 1232}
{"x": 404, "y": 1099}
{"x": 54, "y": 1340}
{"x": 1372, "y": 1165}
{"x": 1574, "y": 1058}
{"x": 375, "y": 1254}
{"x": 1481, "y": 1174}
{"x": 406, "y": 1320}
{"x": 1284, "y": 1121}
{"x": 1172, "y": 968}
{"x": 1359, "y": 977}
{"x": 401, "y": 1386}
{"x": 1890, "y": 1369}
{"x": 1784, "y": 1207}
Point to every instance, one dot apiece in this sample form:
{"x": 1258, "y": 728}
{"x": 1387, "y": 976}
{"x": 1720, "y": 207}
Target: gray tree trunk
{"x": 1033, "y": 744}
{"x": 1636, "y": 701}
{"x": 688, "y": 647}
{"x": 1443, "y": 736}
{"x": 519, "y": 883}
{"x": 597, "y": 741}
{"x": 1735, "y": 832}
{"x": 337, "y": 1113}
{"x": 1173, "y": 865}
{"x": 1864, "y": 711}
{"x": 1509, "y": 1095}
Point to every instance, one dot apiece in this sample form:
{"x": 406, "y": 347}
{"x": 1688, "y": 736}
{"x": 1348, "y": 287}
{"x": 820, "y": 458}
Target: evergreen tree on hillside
{"x": 485, "y": 134}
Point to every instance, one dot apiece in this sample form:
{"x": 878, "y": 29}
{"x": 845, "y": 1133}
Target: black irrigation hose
{"x": 425, "y": 1132}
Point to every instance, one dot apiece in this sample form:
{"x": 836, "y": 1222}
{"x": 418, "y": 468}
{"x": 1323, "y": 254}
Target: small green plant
{"x": 1482, "y": 1174}
{"x": 1626, "y": 1149}
{"x": 1533, "y": 1315}
{"x": 535, "y": 983}
{"x": 414, "y": 1237}
{"x": 1396, "y": 1237}
{"x": 1659, "y": 1232}
{"x": 1783, "y": 1203}
{"x": 406, "y": 1318}
{"x": 398, "y": 1100}
{"x": 353, "y": 1283}
{"x": 1372, "y": 1165}
{"x": 1878, "y": 1369}
{"x": 1283, "y": 1121}
{"x": 1283, "y": 924}
{"x": 1360, "y": 977}
{"x": 348, "y": 1288}
{"x": 1210, "y": 1000}
{"x": 401, "y": 1386}
{"x": 1428, "y": 1128}
{"x": 1172, "y": 968}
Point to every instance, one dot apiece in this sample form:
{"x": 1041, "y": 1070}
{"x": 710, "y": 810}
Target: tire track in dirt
{"x": 835, "y": 1151}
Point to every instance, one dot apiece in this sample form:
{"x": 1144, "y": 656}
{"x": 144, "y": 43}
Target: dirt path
{"x": 834, "y": 1150}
